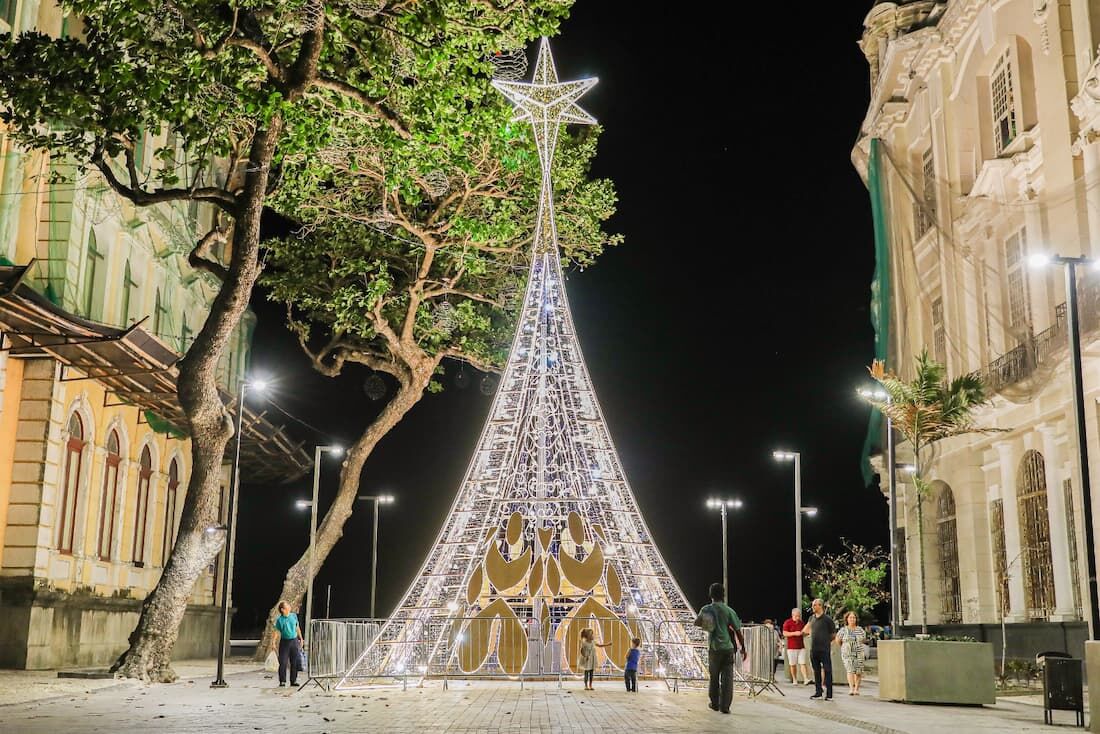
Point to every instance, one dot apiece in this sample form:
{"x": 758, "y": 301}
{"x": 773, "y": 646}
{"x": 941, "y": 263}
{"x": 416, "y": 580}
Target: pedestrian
{"x": 798, "y": 657}
{"x": 630, "y": 673}
{"x": 852, "y": 652}
{"x": 288, "y": 642}
{"x": 821, "y": 629}
{"x": 724, "y": 627}
{"x": 587, "y": 659}
{"x": 777, "y": 645}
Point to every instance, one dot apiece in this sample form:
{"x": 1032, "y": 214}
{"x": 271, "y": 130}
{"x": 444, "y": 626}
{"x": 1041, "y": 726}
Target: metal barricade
{"x": 333, "y": 645}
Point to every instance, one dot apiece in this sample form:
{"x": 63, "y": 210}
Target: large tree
{"x": 247, "y": 87}
{"x": 926, "y": 410}
{"x": 418, "y": 252}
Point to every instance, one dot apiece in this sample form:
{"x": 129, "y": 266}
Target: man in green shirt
{"x": 722, "y": 648}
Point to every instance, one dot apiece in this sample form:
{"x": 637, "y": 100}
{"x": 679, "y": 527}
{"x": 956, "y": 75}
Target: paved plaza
{"x": 33, "y": 703}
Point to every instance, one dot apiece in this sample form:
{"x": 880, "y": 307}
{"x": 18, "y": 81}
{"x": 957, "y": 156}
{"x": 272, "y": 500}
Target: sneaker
{"x": 282, "y": 685}
{"x": 828, "y": 698}
{"x": 712, "y": 707}
{"x": 725, "y": 711}
{"x": 816, "y": 696}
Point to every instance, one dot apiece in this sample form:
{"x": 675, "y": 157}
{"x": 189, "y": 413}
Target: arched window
{"x": 108, "y": 500}
{"x": 948, "y": 539}
{"x": 1031, "y": 497}
{"x": 95, "y": 272}
{"x": 170, "y": 511}
{"x": 70, "y": 484}
{"x": 145, "y": 476}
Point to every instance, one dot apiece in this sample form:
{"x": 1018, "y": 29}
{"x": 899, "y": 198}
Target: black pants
{"x": 290, "y": 656}
{"x": 721, "y": 679}
{"x": 588, "y": 677}
{"x": 822, "y": 662}
{"x": 631, "y": 677}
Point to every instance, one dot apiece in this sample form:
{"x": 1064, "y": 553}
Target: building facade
{"x": 97, "y": 302}
{"x": 980, "y": 148}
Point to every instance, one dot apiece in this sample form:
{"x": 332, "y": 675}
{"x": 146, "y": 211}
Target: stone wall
{"x": 42, "y": 629}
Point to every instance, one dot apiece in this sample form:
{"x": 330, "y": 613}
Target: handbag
{"x": 303, "y": 659}
{"x": 705, "y": 620}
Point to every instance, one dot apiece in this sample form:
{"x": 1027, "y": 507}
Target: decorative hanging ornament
{"x": 444, "y": 317}
{"x": 375, "y": 387}
{"x": 436, "y": 183}
{"x": 510, "y": 65}
{"x": 462, "y": 380}
{"x": 365, "y": 8}
{"x": 488, "y": 385}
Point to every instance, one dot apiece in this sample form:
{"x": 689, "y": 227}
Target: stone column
{"x": 1008, "y": 455}
{"x": 972, "y": 529}
{"x": 1059, "y": 533}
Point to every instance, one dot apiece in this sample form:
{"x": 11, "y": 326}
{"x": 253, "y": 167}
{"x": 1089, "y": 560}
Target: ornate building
{"x": 979, "y": 149}
{"x": 97, "y": 303}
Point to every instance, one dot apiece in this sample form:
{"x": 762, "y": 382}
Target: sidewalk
{"x": 253, "y": 703}
{"x": 24, "y": 686}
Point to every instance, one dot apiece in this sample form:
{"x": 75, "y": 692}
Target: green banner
{"x": 880, "y": 295}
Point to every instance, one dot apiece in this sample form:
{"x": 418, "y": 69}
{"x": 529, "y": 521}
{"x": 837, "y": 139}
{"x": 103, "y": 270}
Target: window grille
{"x": 1004, "y": 105}
{"x": 169, "y": 538}
{"x": 1000, "y": 555}
{"x": 145, "y": 475}
{"x": 74, "y": 451}
{"x": 925, "y": 209}
{"x": 1019, "y": 312}
{"x": 108, "y": 500}
{"x": 947, "y": 535}
{"x": 903, "y": 573}
{"x": 939, "y": 333}
{"x": 1031, "y": 492}
{"x": 1071, "y": 539}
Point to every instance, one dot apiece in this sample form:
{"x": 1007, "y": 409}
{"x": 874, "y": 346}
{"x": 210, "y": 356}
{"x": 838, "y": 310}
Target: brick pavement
{"x": 252, "y": 704}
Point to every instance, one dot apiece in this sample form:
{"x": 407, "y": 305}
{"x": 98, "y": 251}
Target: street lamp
{"x": 336, "y": 451}
{"x": 377, "y": 499}
{"x": 891, "y": 481}
{"x": 799, "y": 511}
{"x": 722, "y": 505}
{"x": 223, "y": 628}
{"x": 1073, "y": 322}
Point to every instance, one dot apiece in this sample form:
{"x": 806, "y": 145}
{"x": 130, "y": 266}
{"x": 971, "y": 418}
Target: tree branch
{"x": 389, "y": 116}
{"x": 140, "y": 197}
{"x": 199, "y": 256}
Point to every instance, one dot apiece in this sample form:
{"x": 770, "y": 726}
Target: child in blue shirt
{"x": 631, "y": 671}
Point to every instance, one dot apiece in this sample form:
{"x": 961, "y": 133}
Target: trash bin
{"x": 1063, "y": 688}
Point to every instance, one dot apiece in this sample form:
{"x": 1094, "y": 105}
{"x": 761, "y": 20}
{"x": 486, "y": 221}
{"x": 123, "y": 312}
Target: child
{"x": 631, "y": 671}
{"x": 587, "y": 659}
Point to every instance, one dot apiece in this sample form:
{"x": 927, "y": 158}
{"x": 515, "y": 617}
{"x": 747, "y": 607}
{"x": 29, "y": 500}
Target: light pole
{"x": 892, "y": 484}
{"x": 223, "y": 628}
{"x": 1073, "y": 322}
{"x": 377, "y": 499}
{"x": 721, "y": 505}
{"x": 799, "y": 511}
{"x": 336, "y": 451}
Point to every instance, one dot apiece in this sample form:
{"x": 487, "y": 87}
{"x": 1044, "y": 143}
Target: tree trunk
{"x": 332, "y": 526}
{"x": 210, "y": 426}
{"x": 923, "y": 582}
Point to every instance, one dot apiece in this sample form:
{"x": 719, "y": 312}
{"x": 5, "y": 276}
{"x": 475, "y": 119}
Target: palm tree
{"x": 927, "y": 409}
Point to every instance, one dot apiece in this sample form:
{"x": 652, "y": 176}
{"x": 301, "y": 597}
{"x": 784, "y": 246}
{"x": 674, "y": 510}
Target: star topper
{"x": 547, "y": 103}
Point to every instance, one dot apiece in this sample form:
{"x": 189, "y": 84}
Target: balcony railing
{"x": 1046, "y": 347}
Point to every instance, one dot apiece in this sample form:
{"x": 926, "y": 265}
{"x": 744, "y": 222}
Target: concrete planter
{"x": 927, "y": 671}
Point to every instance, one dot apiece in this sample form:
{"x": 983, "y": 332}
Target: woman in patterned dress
{"x": 852, "y": 651}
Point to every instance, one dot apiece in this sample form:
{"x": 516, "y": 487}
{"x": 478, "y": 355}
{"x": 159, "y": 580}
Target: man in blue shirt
{"x": 630, "y": 673}
{"x": 722, "y": 648}
{"x": 288, "y": 637}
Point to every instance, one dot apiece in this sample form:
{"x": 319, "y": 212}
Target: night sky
{"x": 734, "y": 320}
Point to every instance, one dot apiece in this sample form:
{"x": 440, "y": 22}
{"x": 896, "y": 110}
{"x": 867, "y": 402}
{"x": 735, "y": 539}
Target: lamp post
{"x": 891, "y": 482}
{"x": 799, "y": 511}
{"x": 223, "y": 628}
{"x": 721, "y": 505}
{"x": 377, "y": 499}
{"x": 336, "y": 451}
{"x": 1074, "y": 329}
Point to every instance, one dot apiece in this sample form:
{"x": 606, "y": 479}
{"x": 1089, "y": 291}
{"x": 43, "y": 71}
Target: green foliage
{"x": 418, "y": 247}
{"x": 851, "y": 581}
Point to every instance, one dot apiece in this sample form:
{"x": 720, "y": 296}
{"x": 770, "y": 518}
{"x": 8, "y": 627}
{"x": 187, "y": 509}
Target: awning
{"x": 136, "y": 368}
